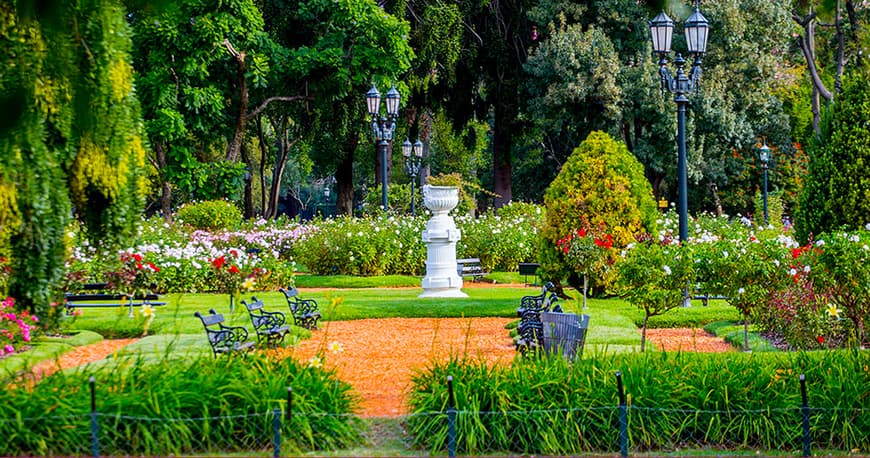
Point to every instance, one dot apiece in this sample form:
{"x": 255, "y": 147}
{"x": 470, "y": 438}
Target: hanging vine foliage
{"x": 71, "y": 141}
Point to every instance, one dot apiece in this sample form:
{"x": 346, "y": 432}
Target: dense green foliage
{"x": 837, "y": 187}
{"x": 211, "y": 215}
{"x": 601, "y": 185}
{"x": 72, "y": 138}
{"x": 674, "y": 400}
{"x": 234, "y": 397}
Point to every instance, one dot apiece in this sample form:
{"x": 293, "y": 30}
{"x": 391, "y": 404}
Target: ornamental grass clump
{"x": 173, "y": 406}
{"x": 730, "y": 401}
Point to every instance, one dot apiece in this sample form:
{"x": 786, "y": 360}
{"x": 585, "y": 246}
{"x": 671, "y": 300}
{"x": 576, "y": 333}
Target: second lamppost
{"x": 413, "y": 160}
{"x": 681, "y": 85}
{"x": 764, "y": 155}
{"x": 383, "y": 128}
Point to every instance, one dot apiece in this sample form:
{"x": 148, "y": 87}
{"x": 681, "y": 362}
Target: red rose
{"x": 821, "y": 339}
{"x": 234, "y": 269}
{"x": 217, "y": 263}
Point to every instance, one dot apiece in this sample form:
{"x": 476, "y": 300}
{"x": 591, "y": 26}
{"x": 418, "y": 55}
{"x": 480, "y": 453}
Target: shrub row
{"x": 175, "y": 407}
{"x": 550, "y": 407}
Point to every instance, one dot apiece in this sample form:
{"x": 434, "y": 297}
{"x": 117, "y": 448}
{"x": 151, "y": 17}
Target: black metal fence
{"x": 275, "y": 433}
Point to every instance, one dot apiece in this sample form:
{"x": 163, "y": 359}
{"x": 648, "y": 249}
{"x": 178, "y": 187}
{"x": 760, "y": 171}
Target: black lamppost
{"x": 764, "y": 155}
{"x": 383, "y": 127}
{"x": 413, "y": 160}
{"x": 696, "y": 29}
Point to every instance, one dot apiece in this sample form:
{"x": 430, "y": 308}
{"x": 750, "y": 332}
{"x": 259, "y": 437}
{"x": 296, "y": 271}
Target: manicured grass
{"x": 45, "y": 348}
{"x": 732, "y": 332}
{"x": 613, "y": 322}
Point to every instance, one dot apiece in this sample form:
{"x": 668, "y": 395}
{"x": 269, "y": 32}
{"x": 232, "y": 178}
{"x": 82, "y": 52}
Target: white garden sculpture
{"x": 440, "y": 237}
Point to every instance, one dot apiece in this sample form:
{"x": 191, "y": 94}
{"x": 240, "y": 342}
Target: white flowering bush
{"x": 185, "y": 255}
{"x": 652, "y": 275}
{"x": 841, "y": 268}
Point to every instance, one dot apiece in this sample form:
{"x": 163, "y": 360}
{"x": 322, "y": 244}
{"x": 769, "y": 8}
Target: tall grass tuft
{"x": 174, "y": 407}
{"x": 676, "y": 400}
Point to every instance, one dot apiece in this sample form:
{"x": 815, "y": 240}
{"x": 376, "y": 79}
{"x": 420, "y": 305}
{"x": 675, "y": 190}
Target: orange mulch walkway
{"x": 687, "y": 339}
{"x": 80, "y": 356}
{"x": 379, "y": 356}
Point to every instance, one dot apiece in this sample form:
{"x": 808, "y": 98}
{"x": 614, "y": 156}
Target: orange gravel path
{"x": 378, "y": 357}
{"x": 687, "y": 339}
{"x": 80, "y": 356}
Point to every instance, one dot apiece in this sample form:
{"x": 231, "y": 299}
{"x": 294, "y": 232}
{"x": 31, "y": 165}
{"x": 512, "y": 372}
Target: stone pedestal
{"x": 440, "y": 237}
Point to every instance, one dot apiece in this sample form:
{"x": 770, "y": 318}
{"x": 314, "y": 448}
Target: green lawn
{"x": 174, "y": 329}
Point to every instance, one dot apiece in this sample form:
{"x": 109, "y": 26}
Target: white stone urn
{"x": 440, "y": 237}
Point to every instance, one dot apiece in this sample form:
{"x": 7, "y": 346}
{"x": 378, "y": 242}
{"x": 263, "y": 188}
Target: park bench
{"x": 528, "y": 268}
{"x": 223, "y": 338}
{"x": 470, "y": 267}
{"x": 305, "y": 311}
{"x": 270, "y": 326}
{"x": 530, "y": 328}
{"x": 564, "y": 333}
{"x": 71, "y": 301}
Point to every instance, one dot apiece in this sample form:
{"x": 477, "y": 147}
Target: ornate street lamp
{"x": 764, "y": 155}
{"x": 383, "y": 128}
{"x": 413, "y": 160}
{"x": 696, "y": 30}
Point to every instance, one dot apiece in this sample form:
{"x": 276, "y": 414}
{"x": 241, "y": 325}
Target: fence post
{"x": 805, "y": 410}
{"x": 289, "y": 403}
{"x": 451, "y": 419}
{"x": 95, "y": 444}
{"x": 623, "y": 417}
{"x": 276, "y": 432}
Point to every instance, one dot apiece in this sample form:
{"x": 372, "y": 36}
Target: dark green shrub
{"x": 837, "y": 185}
{"x": 210, "y": 215}
{"x": 601, "y": 184}
{"x": 201, "y": 406}
{"x": 548, "y": 406}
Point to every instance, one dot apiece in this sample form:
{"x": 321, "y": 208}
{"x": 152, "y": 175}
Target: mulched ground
{"x": 378, "y": 357}
{"x": 79, "y": 356}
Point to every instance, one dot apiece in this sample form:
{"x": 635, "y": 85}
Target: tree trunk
{"x": 745, "y": 332}
{"x": 807, "y": 44}
{"x": 344, "y": 179}
{"x": 643, "y": 332}
{"x": 249, "y": 194}
{"x": 501, "y": 153}
{"x": 233, "y": 150}
{"x": 166, "y": 194}
{"x": 264, "y": 153}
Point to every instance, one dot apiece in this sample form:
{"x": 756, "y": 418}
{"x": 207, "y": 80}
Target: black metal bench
{"x": 223, "y": 338}
{"x": 530, "y": 334}
{"x": 305, "y": 311}
{"x": 270, "y": 326}
{"x": 470, "y": 267}
{"x": 71, "y": 301}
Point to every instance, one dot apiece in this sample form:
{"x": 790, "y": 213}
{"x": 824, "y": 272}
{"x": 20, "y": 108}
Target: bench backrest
{"x": 255, "y": 305}
{"x": 290, "y": 293}
{"x": 211, "y": 319}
